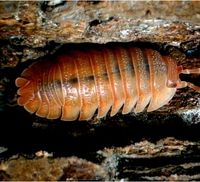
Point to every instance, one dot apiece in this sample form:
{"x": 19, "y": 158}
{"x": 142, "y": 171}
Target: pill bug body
{"x": 79, "y": 83}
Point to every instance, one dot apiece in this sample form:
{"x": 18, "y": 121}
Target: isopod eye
{"x": 171, "y": 84}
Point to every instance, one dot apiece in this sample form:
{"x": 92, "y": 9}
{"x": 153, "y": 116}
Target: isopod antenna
{"x": 183, "y": 84}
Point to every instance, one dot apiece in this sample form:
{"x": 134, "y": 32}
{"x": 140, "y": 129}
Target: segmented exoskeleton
{"x": 76, "y": 84}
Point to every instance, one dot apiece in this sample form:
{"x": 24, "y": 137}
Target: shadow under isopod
{"x": 23, "y": 133}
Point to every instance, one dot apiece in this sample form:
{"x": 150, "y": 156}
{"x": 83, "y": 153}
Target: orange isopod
{"x": 75, "y": 85}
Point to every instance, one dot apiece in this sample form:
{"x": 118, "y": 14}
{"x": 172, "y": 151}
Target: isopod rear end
{"x": 35, "y": 90}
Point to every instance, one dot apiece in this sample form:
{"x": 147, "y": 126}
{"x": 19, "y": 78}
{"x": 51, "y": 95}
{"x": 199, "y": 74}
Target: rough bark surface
{"x": 162, "y": 145}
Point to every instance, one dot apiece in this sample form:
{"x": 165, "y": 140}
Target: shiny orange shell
{"x": 79, "y": 83}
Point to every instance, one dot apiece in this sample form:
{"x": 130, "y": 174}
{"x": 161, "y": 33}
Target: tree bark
{"x": 30, "y": 30}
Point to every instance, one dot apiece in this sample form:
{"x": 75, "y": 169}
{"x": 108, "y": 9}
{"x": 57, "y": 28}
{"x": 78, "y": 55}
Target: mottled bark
{"x": 131, "y": 147}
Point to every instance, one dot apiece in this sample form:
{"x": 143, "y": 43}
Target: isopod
{"x": 77, "y": 84}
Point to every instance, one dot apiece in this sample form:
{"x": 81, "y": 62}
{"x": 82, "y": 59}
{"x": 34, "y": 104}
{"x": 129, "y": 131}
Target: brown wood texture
{"x": 160, "y": 145}
{"x": 30, "y": 26}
